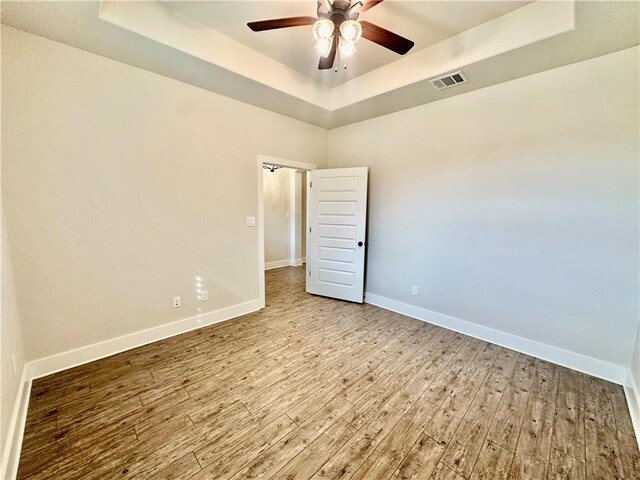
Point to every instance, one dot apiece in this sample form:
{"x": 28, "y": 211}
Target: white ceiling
{"x": 207, "y": 44}
{"x": 425, "y": 23}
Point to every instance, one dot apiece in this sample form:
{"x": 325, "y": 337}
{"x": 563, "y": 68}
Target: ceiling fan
{"x": 336, "y": 29}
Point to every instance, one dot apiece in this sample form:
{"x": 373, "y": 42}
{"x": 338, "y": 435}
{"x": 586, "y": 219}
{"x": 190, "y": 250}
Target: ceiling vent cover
{"x": 449, "y": 80}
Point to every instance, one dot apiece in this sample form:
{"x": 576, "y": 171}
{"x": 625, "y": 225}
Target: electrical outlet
{"x": 14, "y": 362}
{"x": 204, "y": 295}
{"x": 414, "y": 290}
{"x": 251, "y": 221}
{"x": 176, "y": 302}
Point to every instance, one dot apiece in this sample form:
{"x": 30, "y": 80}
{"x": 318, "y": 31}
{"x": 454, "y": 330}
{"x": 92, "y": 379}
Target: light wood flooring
{"x": 317, "y": 388}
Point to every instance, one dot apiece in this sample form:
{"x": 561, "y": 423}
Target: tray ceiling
{"x": 426, "y": 23}
{"x": 208, "y": 45}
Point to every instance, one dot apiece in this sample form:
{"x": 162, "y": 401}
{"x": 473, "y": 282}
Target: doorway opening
{"x": 282, "y": 215}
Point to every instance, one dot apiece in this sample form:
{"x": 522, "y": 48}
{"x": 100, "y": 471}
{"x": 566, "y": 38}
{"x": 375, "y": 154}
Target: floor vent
{"x": 448, "y": 80}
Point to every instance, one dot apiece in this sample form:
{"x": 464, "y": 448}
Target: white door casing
{"x": 337, "y": 207}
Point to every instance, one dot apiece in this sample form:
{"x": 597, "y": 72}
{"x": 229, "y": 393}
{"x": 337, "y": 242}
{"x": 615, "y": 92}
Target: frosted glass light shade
{"x": 323, "y": 29}
{"x": 351, "y": 31}
{"x": 346, "y": 48}
{"x": 323, "y": 46}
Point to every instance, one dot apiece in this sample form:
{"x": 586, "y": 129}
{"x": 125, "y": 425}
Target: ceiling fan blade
{"x": 387, "y": 39}
{"x": 327, "y": 62}
{"x": 281, "y": 23}
{"x": 325, "y": 6}
{"x": 367, "y": 4}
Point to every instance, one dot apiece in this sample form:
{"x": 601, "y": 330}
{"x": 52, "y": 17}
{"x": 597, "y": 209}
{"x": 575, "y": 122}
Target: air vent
{"x": 448, "y": 80}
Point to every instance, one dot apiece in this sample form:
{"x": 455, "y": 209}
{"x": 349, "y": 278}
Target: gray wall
{"x": 514, "y": 207}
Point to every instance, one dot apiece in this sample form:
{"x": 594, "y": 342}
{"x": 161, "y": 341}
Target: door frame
{"x": 281, "y": 162}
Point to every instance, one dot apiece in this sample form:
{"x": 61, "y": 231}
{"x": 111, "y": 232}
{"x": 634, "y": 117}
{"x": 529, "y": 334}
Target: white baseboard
{"x": 73, "y": 358}
{"x": 632, "y": 392}
{"x": 576, "y": 361}
{"x": 294, "y": 262}
{"x": 277, "y": 264}
{"x": 15, "y": 432}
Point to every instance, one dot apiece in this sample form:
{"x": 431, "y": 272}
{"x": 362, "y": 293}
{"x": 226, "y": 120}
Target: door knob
{"x": 360, "y": 244}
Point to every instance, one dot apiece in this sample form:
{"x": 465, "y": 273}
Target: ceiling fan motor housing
{"x": 338, "y": 13}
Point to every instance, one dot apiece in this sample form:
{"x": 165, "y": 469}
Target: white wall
{"x": 634, "y": 367}
{"x": 121, "y": 186}
{"x": 277, "y": 225}
{"x": 11, "y": 343}
{"x": 514, "y": 207}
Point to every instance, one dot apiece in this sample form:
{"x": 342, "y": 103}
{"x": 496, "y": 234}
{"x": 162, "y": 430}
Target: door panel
{"x": 337, "y": 205}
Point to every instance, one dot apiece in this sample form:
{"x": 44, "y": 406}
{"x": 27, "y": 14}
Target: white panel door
{"x": 337, "y": 206}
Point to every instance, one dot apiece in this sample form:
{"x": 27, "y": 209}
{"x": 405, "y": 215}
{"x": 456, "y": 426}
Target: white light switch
{"x": 251, "y": 221}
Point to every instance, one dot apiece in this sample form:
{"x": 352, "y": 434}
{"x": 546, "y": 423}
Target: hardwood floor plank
{"x": 463, "y": 450}
{"x": 386, "y": 458}
{"x": 182, "y": 469}
{"x": 507, "y": 422}
{"x": 620, "y": 409}
{"x": 276, "y": 457}
{"x": 250, "y": 448}
{"x": 442, "y": 472}
{"x": 421, "y": 461}
{"x": 565, "y": 467}
{"x": 568, "y": 429}
{"x": 537, "y": 429}
{"x": 528, "y": 467}
{"x": 309, "y": 461}
{"x": 443, "y": 426}
{"x": 494, "y": 463}
{"x": 419, "y": 383}
{"x": 630, "y": 456}
{"x": 603, "y": 457}
{"x": 353, "y": 454}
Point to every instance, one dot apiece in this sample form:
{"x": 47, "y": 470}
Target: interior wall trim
{"x": 632, "y": 392}
{"x": 576, "y": 361}
{"x": 79, "y": 356}
{"x": 13, "y": 440}
{"x": 288, "y": 262}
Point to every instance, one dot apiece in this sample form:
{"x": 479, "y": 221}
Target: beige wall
{"x": 11, "y": 344}
{"x": 514, "y": 207}
{"x": 122, "y": 186}
{"x": 277, "y": 203}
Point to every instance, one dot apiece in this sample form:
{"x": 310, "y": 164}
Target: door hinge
{"x": 309, "y": 229}
{"x": 309, "y": 272}
{"x": 310, "y": 184}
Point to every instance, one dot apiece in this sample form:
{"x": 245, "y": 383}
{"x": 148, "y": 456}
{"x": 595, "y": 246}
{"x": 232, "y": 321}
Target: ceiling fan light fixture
{"x": 351, "y": 31}
{"x": 323, "y": 46}
{"x": 323, "y": 29}
{"x": 346, "y": 48}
